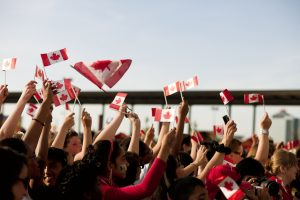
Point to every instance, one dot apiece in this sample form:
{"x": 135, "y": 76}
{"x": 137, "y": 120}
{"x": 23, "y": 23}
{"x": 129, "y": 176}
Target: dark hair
{"x": 79, "y": 181}
{"x": 132, "y": 169}
{"x": 186, "y": 140}
{"x": 58, "y": 155}
{"x": 250, "y": 167}
{"x": 105, "y": 152}
{"x": 70, "y": 134}
{"x": 182, "y": 188}
{"x": 11, "y": 165}
{"x": 16, "y": 144}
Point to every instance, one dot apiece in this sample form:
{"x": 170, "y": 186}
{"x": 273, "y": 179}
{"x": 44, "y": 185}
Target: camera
{"x": 272, "y": 186}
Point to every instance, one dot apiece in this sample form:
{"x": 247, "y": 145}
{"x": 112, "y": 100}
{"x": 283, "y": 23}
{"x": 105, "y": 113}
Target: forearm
{"x": 9, "y": 126}
{"x": 164, "y": 129}
{"x": 263, "y": 148}
{"x": 33, "y": 132}
{"x": 110, "y": 130}
{"x": 59, "y": 139}
{"x": 42, "y": 146}
{"x": 87, "y": 139}
{"x": 135, "y": 139}
{"x": 178, "y": 135}
{"x": 217, "y": 159}
{"x": 193, "y": 150}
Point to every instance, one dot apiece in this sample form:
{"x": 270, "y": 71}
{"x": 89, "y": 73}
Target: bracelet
{"x": 264, "y": 131}
{"x": 222, "y": 149}
{"x": 37, "y": 120}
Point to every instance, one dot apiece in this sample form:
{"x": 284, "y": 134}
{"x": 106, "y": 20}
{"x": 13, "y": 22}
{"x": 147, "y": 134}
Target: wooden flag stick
{"x": 75, "y": 96}
{"x": 263, "y": 98}
{"x": 166, "y": 99}
{"x": 4, "y": 77}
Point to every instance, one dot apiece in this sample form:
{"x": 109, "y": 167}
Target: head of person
{"x": 79, "y": 181}
{"x": 133, "y": 170}
{"x": 186, "y": 143}
{"x": 183, "y": 160}
{"x": 19, "y": 146}
{"x": 284, "y": 165}
{"x": 237, "y": 151}
{"x": 188, "y": 188}
{"x": 249, "y": 168}
{"x": 56, "y": 161}
{"x": 72, "y": 143}
{"x": 112, "y": 158}
{"x": 13, "y": 173}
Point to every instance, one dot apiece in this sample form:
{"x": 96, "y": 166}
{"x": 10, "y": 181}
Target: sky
{"x": 238, "y": 45}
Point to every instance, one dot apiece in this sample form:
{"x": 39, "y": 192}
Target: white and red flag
{"x": 76, "y": 89}
{"x": 164, "y": 115}
{"x": 186, "y": 120}
{"x": 292, "y": 144}
{"x": 31, "y": 109}
{"x": 62, "y": 85}
{"x": 102, "y": 72}
{"x": 253, "y": 98}
{"x": 67, "y": 107}
{"x": 39, "y": 73}
{"x": 190, "y": 83}
{"x": 226, "y": 96}
{"x": 38, "y": 95}
{"x": 63, "y": 97}
{"x": 230, "y": 189}
{"x": 218, "y": 129}
{"x": 118, "y": 101}
{"x": 9, "y": 63}
{"x": 54, "y": 57}
{"x": 197, "y": 137}
{"x": 172, "y": 88}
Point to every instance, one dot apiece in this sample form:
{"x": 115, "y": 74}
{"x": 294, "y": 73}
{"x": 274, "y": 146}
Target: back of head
{"x": 183, "y": 188}
{"x": 16, "y": 144}
{"x": 59, "y": 155}
{"x": 250, "y": 167}
{"x": 281, "y": 158}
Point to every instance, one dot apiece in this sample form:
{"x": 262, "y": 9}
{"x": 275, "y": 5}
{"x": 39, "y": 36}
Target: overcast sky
{"x": 227, "y": 44}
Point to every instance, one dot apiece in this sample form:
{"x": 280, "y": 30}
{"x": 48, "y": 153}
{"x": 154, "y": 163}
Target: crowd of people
{"x": 108, "y": 165}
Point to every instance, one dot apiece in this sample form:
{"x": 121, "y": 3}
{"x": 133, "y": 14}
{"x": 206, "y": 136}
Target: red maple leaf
{"x": 172, "y": 88}
{"x": 101, "y": 65}
{"x": 167, "y": 115}
{"x": 228, "y": 185}
{"x": 59, "y": 85}
{"x": 30, "y": 110}
{"x": 117, "y": 101}
{"x": 188, "y": 83}
{"x": 253, "y": 98}
{"x": 54, "y": 56}
{"x": 219, "y": 129}
{"x": 63, "y": 97}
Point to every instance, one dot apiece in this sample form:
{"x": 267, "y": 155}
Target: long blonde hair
{"x": 281, "y": 158}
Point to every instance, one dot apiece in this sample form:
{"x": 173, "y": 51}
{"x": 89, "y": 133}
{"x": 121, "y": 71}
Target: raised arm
{"x": 3, "y": 94}
{"x": 86, "y": 121}
{"x": 38, "y": 122}
{"x": 110, "y": 130}
{"x": 8, "y": 128}
{"x": 149, "y": 136}
{"x": 65, "y": 127}
{"x": 135, "y": 136}
{"x": 263, "y": 144}
{"x": 163, "y": 131}
{"x": 217, "y": 159}
{"x": 183, "y": 110}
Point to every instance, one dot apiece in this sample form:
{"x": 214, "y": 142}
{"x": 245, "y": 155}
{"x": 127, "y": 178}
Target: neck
{"x": 284, "y": 180}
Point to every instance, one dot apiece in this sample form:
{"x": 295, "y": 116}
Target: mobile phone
{"x": 226, "y": 119}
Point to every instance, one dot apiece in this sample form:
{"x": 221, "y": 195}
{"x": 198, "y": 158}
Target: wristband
{"x": 264, "y": 131}
{"x": 222, "y": 149}
{"x": 37, "y": 120}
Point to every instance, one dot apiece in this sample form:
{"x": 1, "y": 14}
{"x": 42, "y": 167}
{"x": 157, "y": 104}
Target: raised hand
{"x": 69, "y": 121}
{"x": 3, "y": 93}
{"x": 201, "y": 155}
{"x": 85, "y": 119}
{"x": 265, "y": 122}
{"x": 28, "y": 91}
{"x": 229, "y": 130}
{"x": 183, "y": 108}
{"x": 47, "y": 90}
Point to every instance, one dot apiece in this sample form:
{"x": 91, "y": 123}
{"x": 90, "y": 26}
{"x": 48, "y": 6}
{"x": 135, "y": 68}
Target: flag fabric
{"x": 153, "y": 111}
{"x": 38, "y": 95}
{"x": 77, "y": 90}
{"x": 63, "y": 97}
{"x": 186, "y": 120}
{"x": 190, "y": 83}
{"x": 67, "y": 107}
{"x": 118, "y": 101}
{"x": 9, "y": 63}
{"x": 197, "y": 137}
{"x": 39, "y": 73}
{"x": 226, "y": 96}
{"x": 54, "y": 57}
{"x": 292, "y": 144}
{"x": 31, "y": 109}
{"x": 172, "y": 88}
{"x": 164, "y": 115}
{"x": 253, "y": 98}
{"x": 230, "y": 189}
{"x": 62, "y": 85}
{"x": 218, "y": 129}
{"x": 102, "y": 72}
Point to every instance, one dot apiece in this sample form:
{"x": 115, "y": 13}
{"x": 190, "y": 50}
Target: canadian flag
{"x": 9, "y": 63}
{"x": 153, "y": 111}
{"x": 38, "y": 95}
{"x": 63, "y": 97}
{"x": 218, "y": 129}
{"x": 230, "y": 189}
{"x": 292, "y": 144}
{"x": 67, "y": 106}
{"x": 228, "y": 161}
{"x": 39, "y": 73}
{"x": 164, "y": 115}
{"x": 54, "y": 57}
{"x": 76, "y": 89}
{"x": 226, "y": 96}
{"x": 172, "y": 88}
{"x": 62, "y": 85}
{"x": 197, "y": 137}
{"x": 190, "y": 83}
{"x": 186, "y": 120}
{"x": 253, "y": 98}
{"x": 118, "y": 101}
{"x": 31, "y": 109}
{"x": 101, "y": 72}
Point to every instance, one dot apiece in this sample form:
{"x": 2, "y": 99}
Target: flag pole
{"x": 227, "y": 111}
{"x": 45, "y": 73}
{"x": 74, "y": 105}
{"x": 180, "y": 92}
{"x": 4, "y": 77}
{"x": 75, "y": 96}
{"x": 166, "y": 99}
{"x": 263, "y": 98}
